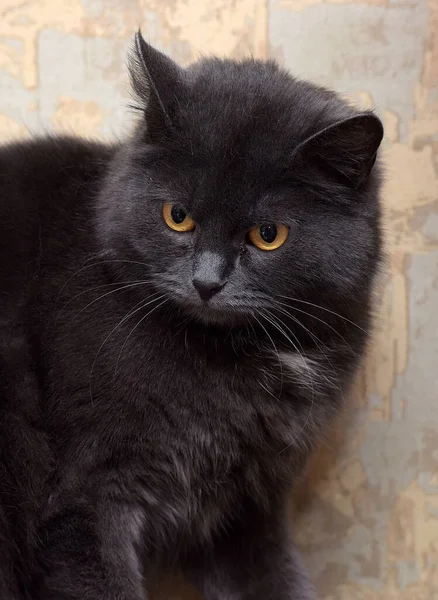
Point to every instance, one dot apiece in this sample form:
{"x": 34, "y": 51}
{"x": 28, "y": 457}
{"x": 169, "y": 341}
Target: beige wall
{"x": 368, "y": 515}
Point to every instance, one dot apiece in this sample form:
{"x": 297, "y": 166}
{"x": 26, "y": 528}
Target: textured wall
{"x": 368, "y": 514}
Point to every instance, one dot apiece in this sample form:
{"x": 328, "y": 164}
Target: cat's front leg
{"x": 255, "y": 561}
{"x": 91, "y": 554}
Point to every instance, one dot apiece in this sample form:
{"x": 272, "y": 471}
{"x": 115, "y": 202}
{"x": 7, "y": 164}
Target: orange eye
{"x": 268, "y": 236}
{"x": 176, "y": 218}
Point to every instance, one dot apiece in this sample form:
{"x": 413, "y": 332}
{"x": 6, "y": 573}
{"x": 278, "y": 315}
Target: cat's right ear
{"x": 155, "y": 79}
{"x": 346, "y": 150}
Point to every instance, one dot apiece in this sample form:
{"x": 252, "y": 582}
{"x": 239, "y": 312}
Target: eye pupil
{"x": 268, "y": 233}
{"x": 178, "y": 214}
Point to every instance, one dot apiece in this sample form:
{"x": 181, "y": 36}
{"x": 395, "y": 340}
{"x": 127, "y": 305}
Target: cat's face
{"x": 243, "y": 191}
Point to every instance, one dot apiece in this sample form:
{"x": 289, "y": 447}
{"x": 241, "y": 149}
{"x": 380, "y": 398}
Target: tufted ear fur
{"x": 155, "y": 79}
{"x": 346, "y": 150}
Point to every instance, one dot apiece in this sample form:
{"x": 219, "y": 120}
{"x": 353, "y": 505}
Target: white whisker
{"x": 125, "y": 287}
{"x": 135, "y": 327}
{"x": 275, "y": 323}
{"x": 275, "y": 350}
{"x": 323, "y": 308}
{"x": 320, "y": 345}
{"x": 101, "y": 262}
{"x": 127, "y": 316}
{"x": 294, "y": 308}
{"x": 98, "y": 287}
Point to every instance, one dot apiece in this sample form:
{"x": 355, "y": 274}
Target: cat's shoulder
{"x": 39, "y": 174}
{"x": 47, "y": 191}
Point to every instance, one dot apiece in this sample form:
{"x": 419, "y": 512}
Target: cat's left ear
{"x": 346, "y": 150}
{"x": 155, "y": 79}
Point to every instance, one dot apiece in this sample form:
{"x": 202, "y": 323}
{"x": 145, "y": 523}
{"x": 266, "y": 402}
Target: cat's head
{"x": 243, "y": 186}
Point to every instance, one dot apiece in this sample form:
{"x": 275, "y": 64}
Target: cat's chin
{"x": 212, "y": 314}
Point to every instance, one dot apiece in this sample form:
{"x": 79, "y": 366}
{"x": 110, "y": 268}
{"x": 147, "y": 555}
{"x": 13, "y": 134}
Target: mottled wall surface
{"x": 367, "y": 517}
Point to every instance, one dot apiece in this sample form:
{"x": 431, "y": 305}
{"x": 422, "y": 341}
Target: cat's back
{"x": 47, "y": 192}
{"x": 40, "y": 172}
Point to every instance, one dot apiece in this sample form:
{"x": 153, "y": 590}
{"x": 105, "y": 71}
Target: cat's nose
{"x": 207, "y": 289}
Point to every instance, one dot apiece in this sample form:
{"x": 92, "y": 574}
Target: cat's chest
{"x": 210, "y": 425}
{"x": 228, "y": 416}
{"x": 188, "y": 437}
{"x": 227, "y": 438}
{"x": 213, "y": 403}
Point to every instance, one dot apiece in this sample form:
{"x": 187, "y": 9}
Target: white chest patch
{"x": 297, "y": 366}
{"x": 307, "y": 372}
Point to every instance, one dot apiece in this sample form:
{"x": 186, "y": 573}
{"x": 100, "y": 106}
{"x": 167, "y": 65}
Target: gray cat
{"x": 181, "y": 314}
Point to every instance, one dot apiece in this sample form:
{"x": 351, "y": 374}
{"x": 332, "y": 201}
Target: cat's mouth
{"x": 221, "y": 308}
{"x": 217, "y": 310}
